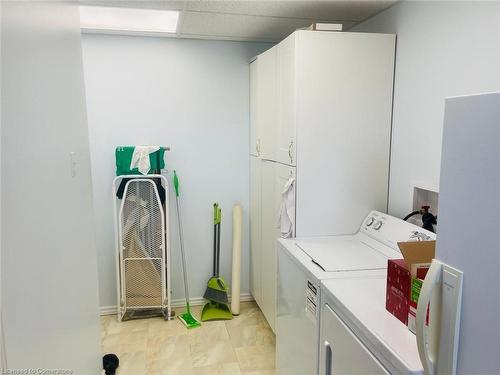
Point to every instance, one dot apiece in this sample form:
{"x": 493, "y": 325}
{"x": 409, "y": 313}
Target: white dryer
{"x": 304, "y": 262}
{"x": 358, "y": 336}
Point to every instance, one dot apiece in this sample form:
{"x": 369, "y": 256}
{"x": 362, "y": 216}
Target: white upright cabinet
{"x": 320, "y": 113}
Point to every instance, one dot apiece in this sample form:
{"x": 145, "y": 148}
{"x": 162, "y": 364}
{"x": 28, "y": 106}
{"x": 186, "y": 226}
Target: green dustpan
{"x": 216, "y": 311}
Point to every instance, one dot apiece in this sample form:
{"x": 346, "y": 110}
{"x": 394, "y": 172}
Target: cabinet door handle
{"x": 257, "y": 147}
{"x": 290, "y": 151}
{"x": 328, "y": 358}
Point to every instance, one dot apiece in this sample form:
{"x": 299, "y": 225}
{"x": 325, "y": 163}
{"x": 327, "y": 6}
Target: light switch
{"x": 73, "y": 163}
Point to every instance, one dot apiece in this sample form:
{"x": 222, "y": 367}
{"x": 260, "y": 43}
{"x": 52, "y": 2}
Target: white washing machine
{"x": 304, "y": 262}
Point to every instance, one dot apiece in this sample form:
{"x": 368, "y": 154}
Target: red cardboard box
{"x": 402, "y": 274}
{"x": 398, "y": 289}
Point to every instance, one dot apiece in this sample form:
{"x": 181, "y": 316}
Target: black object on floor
{"x": 110, "y": 363}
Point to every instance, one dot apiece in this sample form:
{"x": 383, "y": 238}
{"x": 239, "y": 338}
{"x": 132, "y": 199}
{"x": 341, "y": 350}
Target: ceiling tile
{"x": 240, "y": 27}
{"x": 255, "y": 20}
{"x": 317, "y": 10}
{"x": 141, "y": 4}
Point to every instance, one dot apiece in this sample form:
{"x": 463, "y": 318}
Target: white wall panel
{"x": 444, "y": 48}
{"x": 190, "y": 95}
{"x": 49, "y": 268}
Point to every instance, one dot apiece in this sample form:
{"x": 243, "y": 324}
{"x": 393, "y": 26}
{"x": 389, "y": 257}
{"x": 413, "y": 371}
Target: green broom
{"x": 187, "y": 318}
{"x": 216, "y": 287}
{"x": 216, "y": 293}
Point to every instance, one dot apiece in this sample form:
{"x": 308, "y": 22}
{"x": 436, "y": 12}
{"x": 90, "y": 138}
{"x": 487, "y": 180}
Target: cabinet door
{"x": 274, "y": 177}
{"x": 267, "y": 94}
{"x": 269, "y": 235}
{"x": 344, "y": 101}
{"x": 255, "y": 229}
{"x": 341, "y": 352}
{"x": 285, "y": 130}
{"x": 297, "y": 325}
{"x": 254, "y": 120}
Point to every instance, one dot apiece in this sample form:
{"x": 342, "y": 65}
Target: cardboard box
{"x": 398, "y": 289}
{"x": 405, "y": 278}
{"x": 321, "y": 26}
{"x": 418, "y": 255}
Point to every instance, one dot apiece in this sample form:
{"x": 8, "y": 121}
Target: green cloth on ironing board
{"x": 123, "y": 157}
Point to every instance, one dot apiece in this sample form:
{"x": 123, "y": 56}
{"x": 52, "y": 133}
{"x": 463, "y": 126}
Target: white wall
{"x": 49, "y": 268}
{"x": 191, "y": 95}
{"x": 443, "y": 49}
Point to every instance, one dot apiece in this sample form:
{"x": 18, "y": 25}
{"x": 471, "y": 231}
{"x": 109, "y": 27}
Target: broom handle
{"x": 214, "y": 273}
{"x": 218, "y": 241}
{"x": 217, "y": 252}
{"x": 181, "y": 238}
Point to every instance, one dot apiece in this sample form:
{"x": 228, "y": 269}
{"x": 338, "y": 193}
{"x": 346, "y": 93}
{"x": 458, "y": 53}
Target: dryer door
{"x": 341, "y": 352}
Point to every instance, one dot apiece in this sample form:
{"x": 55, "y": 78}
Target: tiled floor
{"x": 244, "y": 345}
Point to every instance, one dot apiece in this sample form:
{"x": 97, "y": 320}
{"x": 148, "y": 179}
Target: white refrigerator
{"x": 469, "y": 222}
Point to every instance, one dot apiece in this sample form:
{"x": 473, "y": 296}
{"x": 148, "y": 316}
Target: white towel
{"x": 287, "y": 209}
{"x": 140, "y": 158}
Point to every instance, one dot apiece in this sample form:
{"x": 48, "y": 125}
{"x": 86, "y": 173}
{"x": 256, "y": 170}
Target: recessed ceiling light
{"x": 128, "y": 19}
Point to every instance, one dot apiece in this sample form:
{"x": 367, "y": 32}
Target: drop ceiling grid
{"x": 266, "y": 21}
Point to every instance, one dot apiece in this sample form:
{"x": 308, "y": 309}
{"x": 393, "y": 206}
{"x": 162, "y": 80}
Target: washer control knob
{"x": 378, "y": 225}
{"x": 369, "y": 221}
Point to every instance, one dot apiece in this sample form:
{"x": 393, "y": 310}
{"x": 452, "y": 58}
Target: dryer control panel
{"x": 390, "y": 230}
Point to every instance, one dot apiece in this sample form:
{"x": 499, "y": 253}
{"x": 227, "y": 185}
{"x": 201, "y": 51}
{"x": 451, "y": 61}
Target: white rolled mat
{"x": 235, "y": 287}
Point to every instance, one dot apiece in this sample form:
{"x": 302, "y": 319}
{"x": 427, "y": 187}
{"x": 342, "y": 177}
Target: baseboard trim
{"x": 108, "y": 310}
{"x": 198, "y": 301}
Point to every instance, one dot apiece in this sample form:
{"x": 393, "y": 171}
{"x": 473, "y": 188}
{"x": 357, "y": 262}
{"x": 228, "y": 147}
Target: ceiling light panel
{"x": 128, "y": 19}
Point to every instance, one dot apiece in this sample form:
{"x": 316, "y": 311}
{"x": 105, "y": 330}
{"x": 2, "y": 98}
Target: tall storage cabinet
{"x": 321, "y": 107}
